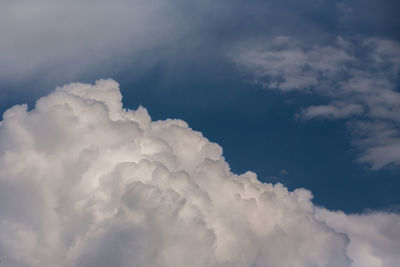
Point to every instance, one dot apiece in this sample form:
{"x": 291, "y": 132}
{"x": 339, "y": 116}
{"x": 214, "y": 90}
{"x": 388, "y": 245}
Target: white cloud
{"x": 380, "y": 140}
{"x": 84, "y": 182}
{"x": 375, "y": 237}
{"x": 360, "y": 78}
{"x": 334, "y": 111}
{"x": 286, "y": 64}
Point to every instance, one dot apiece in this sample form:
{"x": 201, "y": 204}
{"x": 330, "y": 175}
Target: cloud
{"x": 45, "y": 43}
{"x": 346, "y": 11}
{"x": 68, "y": 41}
{"x": 375, "y": 238}
{"x": 359, "y": 77}
{"x": 58, "y": 39}
{"x": 84, "y": 182}
{"x": 332, "y": 111}
{"x": 287, "y": 64}
{"x": 380, "y": 140}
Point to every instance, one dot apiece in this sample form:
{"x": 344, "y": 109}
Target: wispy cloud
{"x": 60, "y": 40}
{"x": 360, "y": 77}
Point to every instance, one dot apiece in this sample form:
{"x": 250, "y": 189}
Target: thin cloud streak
{"x": 360, "y": 78}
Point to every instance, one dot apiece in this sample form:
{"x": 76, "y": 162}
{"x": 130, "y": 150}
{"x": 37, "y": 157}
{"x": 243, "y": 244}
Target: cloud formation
{"x": 61, "y": 41}
{"x": 84, "y": 182}
{"x": 360, "y": 77}
{"x": 375, "y": 238}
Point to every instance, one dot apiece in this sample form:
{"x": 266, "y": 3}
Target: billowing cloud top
{"x": 84, "y": 182}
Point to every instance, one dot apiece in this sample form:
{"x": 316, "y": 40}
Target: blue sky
{"x": 183, "y": 61}
{"x": 302, "y": 95}
{"x": 258, "y": 131}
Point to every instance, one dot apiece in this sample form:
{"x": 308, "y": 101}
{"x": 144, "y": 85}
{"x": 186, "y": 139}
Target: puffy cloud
{"x": 359, "y": 77}
{"x": 84, "y": 182}
{"x": 375, "y": 238}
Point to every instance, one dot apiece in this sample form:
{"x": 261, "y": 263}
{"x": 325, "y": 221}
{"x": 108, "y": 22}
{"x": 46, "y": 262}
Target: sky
{"x": 236, "y": 131}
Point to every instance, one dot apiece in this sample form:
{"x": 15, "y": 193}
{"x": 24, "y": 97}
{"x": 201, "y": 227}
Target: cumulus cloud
{"x": 84, "y": 182}
{"x": 359, "y": 77}
{"x": 375, "y": 238}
